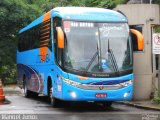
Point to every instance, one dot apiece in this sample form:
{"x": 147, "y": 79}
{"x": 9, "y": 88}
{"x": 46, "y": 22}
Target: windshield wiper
{"x": 91, "y": 61}
{"x": 113, "y": 59}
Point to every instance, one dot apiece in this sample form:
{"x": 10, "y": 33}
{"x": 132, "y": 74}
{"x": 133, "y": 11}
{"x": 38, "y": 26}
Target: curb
{"x": 139, "y": 106}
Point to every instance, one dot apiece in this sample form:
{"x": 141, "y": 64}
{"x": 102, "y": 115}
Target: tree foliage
{"x": 93, "y": 3}
{"x": 14, "y": 15}
{"x": 156, "y": 1}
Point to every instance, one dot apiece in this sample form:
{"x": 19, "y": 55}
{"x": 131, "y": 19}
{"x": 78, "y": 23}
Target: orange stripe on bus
{"x": 47, "y": 16}
{"x": 82, "y": 78}
{"x": 47, "y": 21}
{"x": 45, "y": 40}
{"x": 43, "y": 33}
{"x": 44, "y": 45}
{"x": 47, "y": 25}
{"x": 44, "y": 50}
{"x": 47, "y": 28}
{"x": 43, "y": 53}
{"x": 44, "y": 37}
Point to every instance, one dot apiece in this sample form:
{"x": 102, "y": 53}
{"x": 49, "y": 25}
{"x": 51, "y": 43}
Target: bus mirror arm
{"x": 60, "y": 37}
{"x": 139, "y": 38}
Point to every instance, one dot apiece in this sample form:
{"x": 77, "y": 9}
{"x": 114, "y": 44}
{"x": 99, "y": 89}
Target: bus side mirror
{"x": 60, "y": 37}
{"x": 139, "y": 39}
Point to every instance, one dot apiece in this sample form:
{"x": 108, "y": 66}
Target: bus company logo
{"x": 157, "y": 39}
{"x": 101, "y": 87}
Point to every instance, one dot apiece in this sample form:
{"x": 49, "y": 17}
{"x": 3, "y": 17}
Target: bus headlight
{"x": 73, "y": 94}
{"x": 125, "y": 84}
{"x": 126, "y": 94}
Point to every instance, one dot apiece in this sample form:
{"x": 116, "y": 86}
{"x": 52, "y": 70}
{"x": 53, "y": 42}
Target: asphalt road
{"x": 39, "y": 109}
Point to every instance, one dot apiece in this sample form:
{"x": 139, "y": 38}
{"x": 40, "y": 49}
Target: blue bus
{"x": 78, "y": 54}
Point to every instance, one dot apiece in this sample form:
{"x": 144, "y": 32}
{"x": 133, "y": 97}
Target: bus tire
{"x": 34, "y": 94}
{"x": 53, "y": 101}
{"x": 27, "y": 93}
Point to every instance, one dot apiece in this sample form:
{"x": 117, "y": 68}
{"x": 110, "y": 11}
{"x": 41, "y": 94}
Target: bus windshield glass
{"x": 97, "y": 47}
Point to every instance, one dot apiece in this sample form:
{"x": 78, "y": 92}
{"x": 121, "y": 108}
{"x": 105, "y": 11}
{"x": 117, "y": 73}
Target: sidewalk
{"x": 11, "y": 90}
{"x": 149, "y": 104}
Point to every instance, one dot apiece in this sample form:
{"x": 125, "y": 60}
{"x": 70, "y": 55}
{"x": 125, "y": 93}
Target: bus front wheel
{"x": 54, "y": 101}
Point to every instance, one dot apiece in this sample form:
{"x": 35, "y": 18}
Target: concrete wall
{"x": 146, "y": 15}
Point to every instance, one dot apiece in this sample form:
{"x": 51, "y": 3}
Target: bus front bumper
{"x": 72, "y": 93}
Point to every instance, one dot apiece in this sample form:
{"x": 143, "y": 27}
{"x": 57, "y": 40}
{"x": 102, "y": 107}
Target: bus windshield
{"x": 97, "y": 47}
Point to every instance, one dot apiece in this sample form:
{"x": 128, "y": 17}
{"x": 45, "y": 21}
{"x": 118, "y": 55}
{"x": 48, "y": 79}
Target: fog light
{"x": 73, "y": 94}
{"x": 126, "y": 94}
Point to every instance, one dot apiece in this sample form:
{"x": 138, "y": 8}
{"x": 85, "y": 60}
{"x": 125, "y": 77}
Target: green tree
{"x": 156, "y": 1}
{"x": 14, "y": 15}
{"x": 94, "y": 3}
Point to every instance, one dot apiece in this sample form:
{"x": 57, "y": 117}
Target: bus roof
{"x": 81, "y": 14}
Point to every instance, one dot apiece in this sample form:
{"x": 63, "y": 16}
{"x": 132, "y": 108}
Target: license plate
{"x": 101, "y": 95}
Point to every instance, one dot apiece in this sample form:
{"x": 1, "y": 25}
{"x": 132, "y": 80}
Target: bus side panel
{"x": 45, "y": 71}
{"x": 31, "y": 69}
{"x": 31, "y": 77}
{"x": 55, "y": 73}
{"x": 57, "y": 86}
